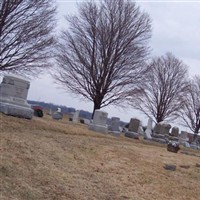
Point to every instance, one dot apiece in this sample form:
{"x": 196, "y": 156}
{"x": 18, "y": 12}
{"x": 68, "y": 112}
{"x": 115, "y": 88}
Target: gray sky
{"x": 176, "y": 29}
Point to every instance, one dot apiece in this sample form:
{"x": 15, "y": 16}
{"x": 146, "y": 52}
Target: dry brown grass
{"x": 56, "y": 160}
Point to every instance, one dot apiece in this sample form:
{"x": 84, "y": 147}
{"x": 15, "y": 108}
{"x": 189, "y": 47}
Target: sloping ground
{"x": 56, "y": 160}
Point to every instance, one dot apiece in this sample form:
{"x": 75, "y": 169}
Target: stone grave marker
{"x": 13, "y": 97}
{"x": 175, "y": 132}
{"x": 148, "y": 131}
{"x": 173, "y": 136}
{"x": 114, "y": 126}
{"x": 183, "y": 139}
{"x": 134, "y": 125}
{"x": 133, "y": 129}
{"x": 75, "y": 116}
{"x": 99, "y": 122}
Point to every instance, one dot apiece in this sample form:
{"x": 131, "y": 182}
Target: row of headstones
{"x": 160, "y": 133}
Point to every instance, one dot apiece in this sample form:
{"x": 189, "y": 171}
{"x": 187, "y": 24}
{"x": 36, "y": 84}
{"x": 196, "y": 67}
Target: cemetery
{"x": 73, "y": 160}
{"x": 63, "y": 153}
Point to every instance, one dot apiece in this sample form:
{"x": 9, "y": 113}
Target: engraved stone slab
{"x": 13, "y": 95}
{"x": 99, "y": 122}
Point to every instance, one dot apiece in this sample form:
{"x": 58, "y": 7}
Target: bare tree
{"x": 163, "y": 89}
{"x": 25, "y": 35}
{"x": 190, "y": 112}
{"x": 101, "y": 56}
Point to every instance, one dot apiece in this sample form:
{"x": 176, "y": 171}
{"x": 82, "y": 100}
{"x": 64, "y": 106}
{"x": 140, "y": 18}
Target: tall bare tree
{"x": 163, "y": 89}
{"x": 190, "y": 112}
{"x": 101, "y": 56}
{"x": 25, "y": 35}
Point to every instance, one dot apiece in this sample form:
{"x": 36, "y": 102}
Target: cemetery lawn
{"x": 42, "y": 159}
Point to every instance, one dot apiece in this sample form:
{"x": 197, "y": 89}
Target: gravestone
{"x": 114, "y": 126}
{"x": 134, "y": 125}
{"x": 175, "y": 132}
{"x": 133, "y": 129}
{"x": 13, "y": 97}
{"x": 148, "y": 131}
{"x": 183, "y": 139}
{"x": 173, "y": 136}
{"x": 99, "y": 122}
{"x": 57, "y": 115}
{"x": 161, "y": 133}
{"x": 75, "y": 116}
{"x": 158, "y": 129}
{"x": 166, "y": 128}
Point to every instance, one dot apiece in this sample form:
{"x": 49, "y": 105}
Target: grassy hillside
{"x": 42, "y": 159}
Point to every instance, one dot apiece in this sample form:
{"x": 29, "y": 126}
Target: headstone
{"x": 99, "y": 122}
{"x": 148, "y": 131}
{"x": 114, "y": 126}
{"x": 133, "y": 129}
{"x": 13, "y": 97}
{"x": 134, "y": 125}
{"x": 175, "y": 132}
{"x": 161, "y": 133}
{"x": 183, "y": 139}
{"x": 162, "y": 128}
{"x": 158, "y": 129}
{"x": 166, "y": 128}
{"x": 115, "y": 122}
{"x": 75, "y": 116}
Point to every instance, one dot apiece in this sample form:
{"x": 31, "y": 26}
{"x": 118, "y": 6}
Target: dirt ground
{"x": 43, "y": 159}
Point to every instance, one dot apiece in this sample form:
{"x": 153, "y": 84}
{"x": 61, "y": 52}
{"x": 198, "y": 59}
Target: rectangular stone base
{"x": 98, "y": 128}
{"x": 15, "y": 110}
{"x": 114, "y": 133}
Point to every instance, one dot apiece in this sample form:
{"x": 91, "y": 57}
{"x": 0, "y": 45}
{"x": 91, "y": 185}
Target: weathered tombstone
{"x": 166, "y": 128}
{"x": 157, "y": 129}
{"x": 148, "y": 131}
{"x": 13, "y": 97}
{"x": 75, "y": 116}
{"x": 114, "y": 126}
{"x": 99, "y": 122}
{"x": 161, "y": 133}
{"x": 175, "y": 132}
{"x": 57, "y": 115}
{"x": 133, "y": 129}
{"x": 183, "y": 139}
{"x": 134, "y": 125}
{"x": 173, "y": 136}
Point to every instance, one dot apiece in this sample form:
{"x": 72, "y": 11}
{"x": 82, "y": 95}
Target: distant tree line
{"x": 102, "y": 56}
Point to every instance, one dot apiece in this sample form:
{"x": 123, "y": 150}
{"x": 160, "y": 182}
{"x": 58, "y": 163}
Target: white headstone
{"x": 13, "y": 95}
{"x": 148, "y": 131}
{"x": 75, "y": 116}
{"x": 99, "y": 121}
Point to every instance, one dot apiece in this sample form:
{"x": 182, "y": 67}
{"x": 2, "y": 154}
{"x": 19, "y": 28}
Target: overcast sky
{"x": 176, "y": 29}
